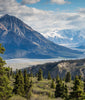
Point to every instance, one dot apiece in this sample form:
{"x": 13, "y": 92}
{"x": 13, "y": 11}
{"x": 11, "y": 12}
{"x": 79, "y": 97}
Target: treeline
{"x": 22, "y": 83}
{"x": 61, "y": 89}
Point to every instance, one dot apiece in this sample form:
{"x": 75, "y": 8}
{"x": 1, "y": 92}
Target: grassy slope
{"x": 17, "y": 97}
{"x": 41, "y": 90}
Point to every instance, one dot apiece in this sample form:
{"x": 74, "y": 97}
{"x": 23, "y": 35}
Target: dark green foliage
{"x": 31, "y": 83}
{"x": 68, "y": 77}
{"x": 22, "y": 85}
{"x": 53, "y": 84}
{"x": 8, "y": 74}
{"x": 26, "y": 82}
{"x": 80, "y": 77}
{"x": 2, "y": 49}
{"x": 65, "y": 91}
{"x": 77, "y": 90}
{"x": 27, "y": 85}
{"x": 49, "y": 76}
{"x": 2, "y": 62}
{"x": 5, "y": 89}
{"x": 11, "y": 73}
{"x": 19, "y": 84}
{"x": 84, "y": 85}
{"x": 29, "y": 94}
{"x": 57, "y": 78}
{"x": 40, "y": 75}
{"x": 61, "y": 90}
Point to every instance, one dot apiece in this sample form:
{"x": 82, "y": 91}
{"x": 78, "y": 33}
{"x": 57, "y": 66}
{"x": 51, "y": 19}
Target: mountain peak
{"x": 12, "y": 21}
{"x": 13, "y": 24}
{"x": 6, "y": 15}
{"x": 21, "y": 41}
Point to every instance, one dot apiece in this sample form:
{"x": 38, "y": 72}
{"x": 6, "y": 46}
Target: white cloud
{"x": 60, "y": 2}
{"x": 29, "y": 1}
{"x": 43, "y": 21}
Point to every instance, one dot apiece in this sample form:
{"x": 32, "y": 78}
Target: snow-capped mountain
{"x": 69, "y": 38}
{"x": 21, "y": 41}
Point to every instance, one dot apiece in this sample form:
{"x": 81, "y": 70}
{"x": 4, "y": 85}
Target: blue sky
{"x": 48, "y": 5}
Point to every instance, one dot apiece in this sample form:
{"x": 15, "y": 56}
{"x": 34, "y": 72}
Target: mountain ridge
{"x": 21, "y": 41}
{"x": 75, "y": 67}
{"x": 68, "y": 37}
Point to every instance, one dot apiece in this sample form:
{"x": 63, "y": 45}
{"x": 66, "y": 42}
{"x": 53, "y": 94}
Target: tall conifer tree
{"x": 77, "y": 90}
{"x": 5, "y": 89}
{"x": 68, "y": 77}
{"x": 19, "y": 84}
{"x": 53, "y": 84}
{"x": 49, "y": 76}
{"x": 57, "y": 79}
{"x": 40, "y": 75}
{"x": 26, "y": 82}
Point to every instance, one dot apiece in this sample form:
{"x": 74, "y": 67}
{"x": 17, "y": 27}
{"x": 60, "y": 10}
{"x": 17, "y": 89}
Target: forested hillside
{"x": 76, "y": 67}
{"x": 21, "y": 85}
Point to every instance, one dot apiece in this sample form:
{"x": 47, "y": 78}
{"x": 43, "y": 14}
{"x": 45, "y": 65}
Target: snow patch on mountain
{"x": 68, "y": 38}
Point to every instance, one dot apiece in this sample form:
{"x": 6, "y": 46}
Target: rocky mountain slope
{"x": 76, "y": 67}
{"x": 21, "y": 41}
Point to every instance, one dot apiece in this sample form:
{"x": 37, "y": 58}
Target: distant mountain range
{"x": 21, "y": 41}
{"x": 68, "y": 37}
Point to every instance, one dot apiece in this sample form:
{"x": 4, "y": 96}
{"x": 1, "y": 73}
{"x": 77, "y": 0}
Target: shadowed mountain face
{"x": 21, "y": 41}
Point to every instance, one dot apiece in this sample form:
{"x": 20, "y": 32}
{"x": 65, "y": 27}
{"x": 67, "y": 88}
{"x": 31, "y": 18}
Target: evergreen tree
{"x": 49, "y": 76}
{"x": 53, "y": 84}
{"x": 8, "y": 73}
{"x": 2, "y": 49}
{"x": 84, "y": 85}
{"x": 59, "y": 90}
{"x": 65, "y": 91}
{"x": 26, "y": 82}
{"x": 68, "y": 77}
{"x": 57, "y": 79}
{"x": 80, "y": 77}
{"x": 11, "y": 73}
{"x": 19, "y": 84}
{"x": 2, "y": 62}
{"x": 40, "y": 75}
{"x": 5, "y": 89}
{"x": 77, "y": 90}
{"x": 31, "y": 83}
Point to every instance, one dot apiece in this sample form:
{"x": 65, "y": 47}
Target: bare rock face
{"x": 21, "y": 41}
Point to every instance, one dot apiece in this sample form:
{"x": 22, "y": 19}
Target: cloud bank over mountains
{"x": 42, "y": 20}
